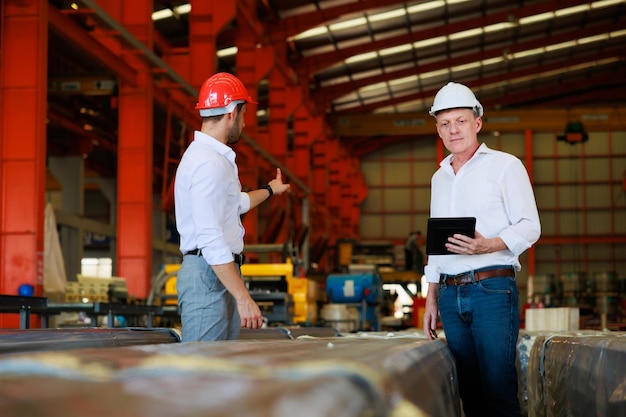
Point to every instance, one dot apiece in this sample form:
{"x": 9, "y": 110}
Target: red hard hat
{"x": 220, "y": 94}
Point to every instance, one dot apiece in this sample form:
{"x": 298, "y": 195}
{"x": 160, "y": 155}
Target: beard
{"x": 234, "y": 134}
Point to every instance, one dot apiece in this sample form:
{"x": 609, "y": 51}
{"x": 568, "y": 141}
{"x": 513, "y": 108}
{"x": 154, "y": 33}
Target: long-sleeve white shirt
{"x": 494, "y": 187}
{"x": 209, "y": 201}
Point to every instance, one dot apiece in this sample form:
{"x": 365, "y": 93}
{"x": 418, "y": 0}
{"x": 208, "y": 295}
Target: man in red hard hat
{"x": 213, "y": 300}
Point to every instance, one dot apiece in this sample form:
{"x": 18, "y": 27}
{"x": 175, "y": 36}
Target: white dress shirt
{"x": 494, "y": 187}
{"x": 209, "y": 201}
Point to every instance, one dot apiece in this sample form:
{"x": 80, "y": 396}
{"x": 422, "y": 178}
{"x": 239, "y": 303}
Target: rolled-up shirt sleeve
{"x": 244, "y": 203}
{"x": 519, "y": 202}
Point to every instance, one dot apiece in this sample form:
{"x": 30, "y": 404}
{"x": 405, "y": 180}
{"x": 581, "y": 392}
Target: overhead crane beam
{"x": 514, "y": 120}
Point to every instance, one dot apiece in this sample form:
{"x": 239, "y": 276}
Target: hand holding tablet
{"x": 441, "y": 228}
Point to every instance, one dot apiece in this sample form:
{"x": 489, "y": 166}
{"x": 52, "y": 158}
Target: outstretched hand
{"x": 278, "y": 187}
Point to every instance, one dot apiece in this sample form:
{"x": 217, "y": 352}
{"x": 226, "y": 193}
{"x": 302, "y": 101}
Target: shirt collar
{"x": 482, "y": 149}
{"x": 215, "y": 144}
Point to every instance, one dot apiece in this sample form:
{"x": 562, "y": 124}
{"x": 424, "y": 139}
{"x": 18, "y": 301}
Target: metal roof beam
{"x": 323, "y": 96}
{"x": 533, "y": 70}
{"x": 76, "y": 35}
{"x": 554, "y": 90}
{"x": 311, "y": 64}
{"x": 291, "y": 26}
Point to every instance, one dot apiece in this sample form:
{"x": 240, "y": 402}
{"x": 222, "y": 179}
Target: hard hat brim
{"x": 218, "y": 111}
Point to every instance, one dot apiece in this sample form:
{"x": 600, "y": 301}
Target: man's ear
{"x": 479, "y": 124}
{"x": 232, "y": 115}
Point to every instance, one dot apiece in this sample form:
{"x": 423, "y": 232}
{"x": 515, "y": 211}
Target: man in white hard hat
{"x": 213, "y": 300}
{"x": 474, "y": 288}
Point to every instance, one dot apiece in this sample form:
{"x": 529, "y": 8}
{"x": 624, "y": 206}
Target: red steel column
{"x": 206, "y": 20}
{"x": 278, "y": 117}
{"x": 135, "y": 160}
{"x": 23, "y": 81}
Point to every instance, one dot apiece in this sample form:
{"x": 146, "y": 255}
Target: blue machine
{"x": 362, "y": 290}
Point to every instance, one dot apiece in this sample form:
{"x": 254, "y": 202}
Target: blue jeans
{"x": 208, "y": 311}
{"x": 481, "y": 325}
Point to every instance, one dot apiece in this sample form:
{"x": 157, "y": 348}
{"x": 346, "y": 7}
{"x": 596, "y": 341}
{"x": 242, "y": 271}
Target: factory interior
{"x": 97, "y": 106}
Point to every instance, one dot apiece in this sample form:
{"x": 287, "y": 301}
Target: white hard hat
{"x": 455, "y": 96}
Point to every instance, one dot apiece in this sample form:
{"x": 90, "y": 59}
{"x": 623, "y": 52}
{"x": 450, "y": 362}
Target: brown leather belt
{"x": 466, "y": 277}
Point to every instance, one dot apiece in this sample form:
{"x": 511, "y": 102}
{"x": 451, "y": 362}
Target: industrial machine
{"x": 282, "y": 297}
{"x": 362, "y": 291}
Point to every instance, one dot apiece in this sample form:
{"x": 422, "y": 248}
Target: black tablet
{"x": 441, "y": 228}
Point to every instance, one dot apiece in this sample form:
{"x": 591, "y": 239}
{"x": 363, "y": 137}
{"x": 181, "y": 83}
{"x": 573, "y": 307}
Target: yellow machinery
{"x": 270, "y": 284}
{"x": 170, "y": 297}
{"x": 282, "y": 297}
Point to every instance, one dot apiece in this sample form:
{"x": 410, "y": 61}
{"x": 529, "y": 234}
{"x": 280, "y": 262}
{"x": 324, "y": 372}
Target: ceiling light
{"x": 162, "y": 14}
{"x": 562, "y": 45}
{"x": 536, "y": 18}
{"x": 429, "y": 5}
{"x": 387, "y": 15}
{"x": 183, "y": 8}
{"x": 410, "y": 79}
{"x": 348, "y": 24}
{"x": 437, "y": 73}
{"x": 320, "y": 30}
{"x": 429, "y": 42}
{"x": 169, "y": 12}
{"x": 372, "y": 87}
{"x": 492, "y": 61}
{"x": 572, "y": 10}
{"x": 528, "y": 52}
{"x": 395, "y": 50}
{"x": 227, "y": 52}
{"x": 605, "y": 3}
{"x": 361, "y": 57}
{"x": 499, "y": 26}
{"x": 617, "y": 33}
{"x": 466, "y": 34}
{"x": 465, "y": 67}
